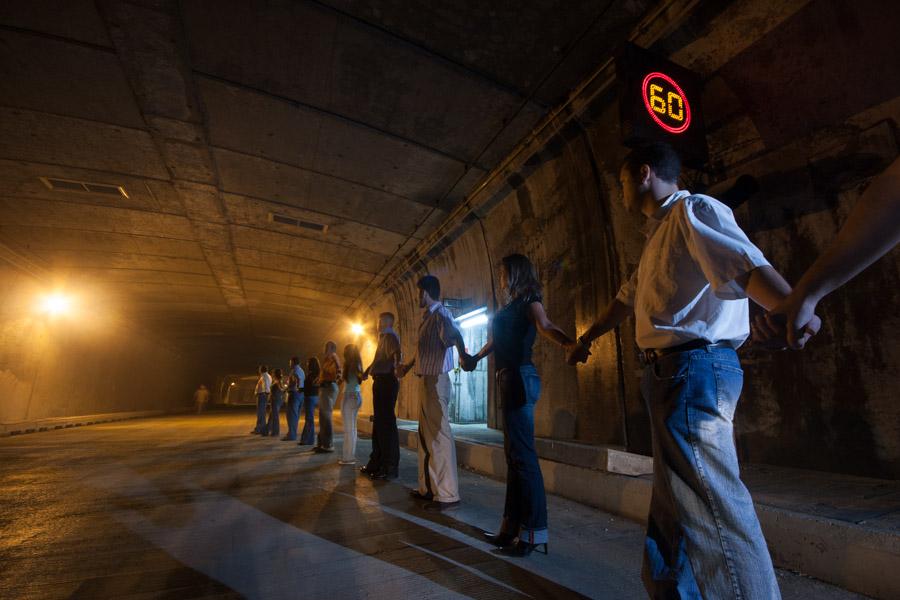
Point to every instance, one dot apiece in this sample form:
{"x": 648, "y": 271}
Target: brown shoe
{"x": 417, "y": 495}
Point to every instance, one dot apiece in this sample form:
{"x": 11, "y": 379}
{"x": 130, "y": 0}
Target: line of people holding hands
{"x": 689, "y": 298}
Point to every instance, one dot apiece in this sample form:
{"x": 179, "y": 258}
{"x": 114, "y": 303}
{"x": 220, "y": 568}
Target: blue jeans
{"x": 328, "y": 393}
{"x": 261, "y": 400}
{"x": 295, "y": 398}
{"x": 308, "y": 436}
{"x": 274, "y": 424}
{"x": 525, "y": 510}
{"x": 703, "y": 536}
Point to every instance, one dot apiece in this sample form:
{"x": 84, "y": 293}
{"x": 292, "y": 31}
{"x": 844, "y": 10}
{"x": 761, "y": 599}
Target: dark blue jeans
{"x": 525, "y": 512}
{"x": 274, "y": 424}
{"x": 295, "y": 398}
{"x": 703, "y": 536}
{"x": 308, "y": 436}
{"x": 261, "y": 400}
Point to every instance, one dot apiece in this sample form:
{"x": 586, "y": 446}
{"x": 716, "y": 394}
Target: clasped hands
{"x": 467, "y": 362}
{"x": 790, "y": 324}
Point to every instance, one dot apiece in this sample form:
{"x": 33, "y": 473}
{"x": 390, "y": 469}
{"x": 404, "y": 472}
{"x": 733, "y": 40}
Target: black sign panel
{"x": 660, "y": 101}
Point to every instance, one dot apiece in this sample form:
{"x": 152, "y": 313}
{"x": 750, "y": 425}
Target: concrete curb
{"x": 22, "y": 427}
{"x": 841, "y": 553}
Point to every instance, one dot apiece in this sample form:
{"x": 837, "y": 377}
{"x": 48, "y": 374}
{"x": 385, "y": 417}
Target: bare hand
{"x": 577, "y": 353}
{"x": 787, "y": 325}
{"x": 468, "y": 362}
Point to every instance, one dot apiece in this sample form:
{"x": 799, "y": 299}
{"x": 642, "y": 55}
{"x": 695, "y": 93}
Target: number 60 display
{"x": 666, "y": 102}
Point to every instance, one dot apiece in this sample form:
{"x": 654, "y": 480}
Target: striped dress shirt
{"x": 437, "y": 335}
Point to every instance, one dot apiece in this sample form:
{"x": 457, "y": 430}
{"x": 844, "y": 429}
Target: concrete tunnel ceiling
{"x": 239, "y": 129}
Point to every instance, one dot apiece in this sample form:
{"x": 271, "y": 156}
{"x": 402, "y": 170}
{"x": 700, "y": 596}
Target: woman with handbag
{"x": 513, "y": 329}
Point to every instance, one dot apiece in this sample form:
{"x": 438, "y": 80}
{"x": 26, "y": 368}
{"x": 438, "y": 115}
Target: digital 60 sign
{"x": 660, "y": 101}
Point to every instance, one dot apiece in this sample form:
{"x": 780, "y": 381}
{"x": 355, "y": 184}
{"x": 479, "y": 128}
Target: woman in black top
{"x": 513, "y": 330}
{"x": 310, "y": 399}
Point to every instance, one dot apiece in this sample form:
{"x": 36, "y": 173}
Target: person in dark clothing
{"x": 310, "y": 399}
{"x": 513, "y": 330}
{"x": 276, "y": 396}
{"x": 385, "y": 457}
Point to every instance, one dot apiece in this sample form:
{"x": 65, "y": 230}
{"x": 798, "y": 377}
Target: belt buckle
{"x": 648, "y": 357}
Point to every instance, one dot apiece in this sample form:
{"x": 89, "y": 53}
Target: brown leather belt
{"x": 651, "y": 355}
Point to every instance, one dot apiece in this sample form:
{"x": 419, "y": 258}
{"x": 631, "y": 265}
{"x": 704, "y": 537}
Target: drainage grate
{"x": 71, "y": 185}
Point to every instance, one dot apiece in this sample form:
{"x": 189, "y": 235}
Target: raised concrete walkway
{"x": 838, "y": 528}
{"x": 194, "y": 507}
{"x": 35, "y": 425}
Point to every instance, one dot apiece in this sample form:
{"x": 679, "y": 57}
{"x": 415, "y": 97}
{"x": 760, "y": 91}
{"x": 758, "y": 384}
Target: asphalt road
{"x": 195, "y": 507}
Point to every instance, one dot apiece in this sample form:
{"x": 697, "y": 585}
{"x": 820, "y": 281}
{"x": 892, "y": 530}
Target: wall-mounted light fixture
{"x": 473, "y": 318}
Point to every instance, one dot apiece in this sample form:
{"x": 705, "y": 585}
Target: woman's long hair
{"x": 352, "y": 360}
{"x": 521, "y": 277}
{"x": 313, "y": 369}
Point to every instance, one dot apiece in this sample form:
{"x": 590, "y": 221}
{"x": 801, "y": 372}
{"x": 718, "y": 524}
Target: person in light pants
{"x": 352, "y": 400}
{"x": 263, "y": 385}
{"x": 328, "y": 392}
{"x": 438, "y": 479}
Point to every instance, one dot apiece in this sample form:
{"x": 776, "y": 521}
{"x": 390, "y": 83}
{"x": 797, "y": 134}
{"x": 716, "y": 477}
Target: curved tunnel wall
{"x": 832, "y": 407}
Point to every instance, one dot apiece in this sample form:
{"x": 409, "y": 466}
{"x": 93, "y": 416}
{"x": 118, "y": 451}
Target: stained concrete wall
{"x": 811, "y": 146}
{"x": 86, "y": 363}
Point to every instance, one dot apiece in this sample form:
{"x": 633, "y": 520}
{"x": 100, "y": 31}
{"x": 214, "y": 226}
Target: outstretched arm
{"x": 614, "y": 313}
{"x": 546, "y": 328}
{"x": 871, "y": 230}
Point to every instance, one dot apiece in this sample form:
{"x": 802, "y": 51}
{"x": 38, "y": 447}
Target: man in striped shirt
{"x": 438, "y": 481}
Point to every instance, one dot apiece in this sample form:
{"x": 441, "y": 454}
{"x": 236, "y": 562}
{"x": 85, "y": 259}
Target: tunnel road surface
{"x": 195, "y": 507}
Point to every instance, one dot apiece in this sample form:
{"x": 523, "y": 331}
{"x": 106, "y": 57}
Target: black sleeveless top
{"x": 277, "y": 392}
{"x": 513, "y": 333}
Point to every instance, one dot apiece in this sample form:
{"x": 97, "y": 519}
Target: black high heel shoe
{"x": 523, "y": 549}
{"x": 500, "y": 540}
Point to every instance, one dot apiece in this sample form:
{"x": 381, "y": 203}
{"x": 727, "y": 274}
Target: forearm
{"x": 460, "y": 344}
{"x": 485, "y": 350}
{"x": 765, "y": 286}
{"x": 555, "y": 334}
{"x": 871, "y": 230}
{"x": 612, "y": 315}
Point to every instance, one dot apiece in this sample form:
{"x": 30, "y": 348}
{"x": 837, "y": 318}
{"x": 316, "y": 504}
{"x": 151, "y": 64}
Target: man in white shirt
{"x": 689, "y": 299}
{"x": 263, "y": 387}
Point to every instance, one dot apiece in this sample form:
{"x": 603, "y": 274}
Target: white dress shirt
{"x": 264, "y": 384}
{"x": 684, "y": 288}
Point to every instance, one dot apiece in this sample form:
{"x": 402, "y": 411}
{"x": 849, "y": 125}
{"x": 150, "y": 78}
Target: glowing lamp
{"x": 55, "y": 304}
{"x": 357, "y": 329}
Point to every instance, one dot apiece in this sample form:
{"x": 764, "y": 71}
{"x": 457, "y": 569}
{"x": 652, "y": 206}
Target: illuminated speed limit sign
{"x": 666, "y": 102}
{"x": 660, "y": 101}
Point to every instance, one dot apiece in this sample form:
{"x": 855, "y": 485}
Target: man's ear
{"x": 644, "y": 175}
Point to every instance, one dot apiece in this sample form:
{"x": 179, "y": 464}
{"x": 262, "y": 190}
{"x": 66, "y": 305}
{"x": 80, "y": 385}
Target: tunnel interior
{"x": 191, "y": 189}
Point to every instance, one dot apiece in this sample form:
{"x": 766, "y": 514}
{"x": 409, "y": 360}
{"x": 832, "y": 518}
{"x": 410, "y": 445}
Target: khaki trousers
{"x": 437, "y": 451}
